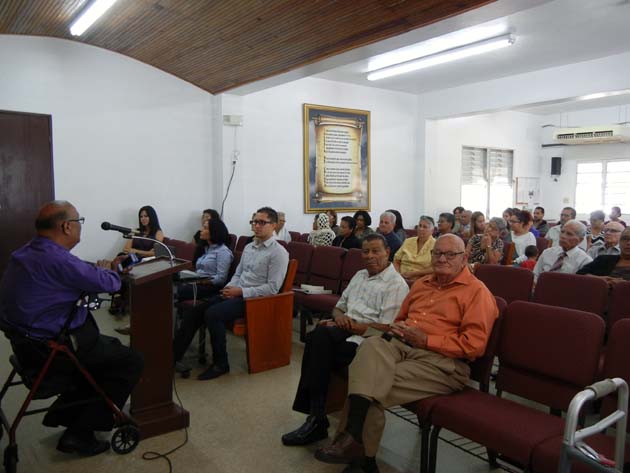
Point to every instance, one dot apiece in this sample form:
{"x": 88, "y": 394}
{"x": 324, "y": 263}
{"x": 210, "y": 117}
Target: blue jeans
{"x": 220, "y": 312}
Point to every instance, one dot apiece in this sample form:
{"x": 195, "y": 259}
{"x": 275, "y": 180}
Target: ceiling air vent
{"x": 592, "y": 135}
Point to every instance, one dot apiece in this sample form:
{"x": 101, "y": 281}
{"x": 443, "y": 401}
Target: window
{"x": 487, "y": 179}
{"x": 602, "y": 185}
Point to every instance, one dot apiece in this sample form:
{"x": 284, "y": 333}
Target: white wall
{"x": 124, "y": 135}
{"x": 270, "y": 169}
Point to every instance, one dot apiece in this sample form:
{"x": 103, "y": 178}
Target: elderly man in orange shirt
{"x": 444, "y": 323}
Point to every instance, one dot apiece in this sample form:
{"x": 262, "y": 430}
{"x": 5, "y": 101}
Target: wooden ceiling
{"x": 221, "y": 44}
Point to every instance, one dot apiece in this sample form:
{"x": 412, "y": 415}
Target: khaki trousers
{"x": 391, "y": 373}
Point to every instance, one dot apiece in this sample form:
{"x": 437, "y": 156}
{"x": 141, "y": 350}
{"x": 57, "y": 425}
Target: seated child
{"x": 532, "y": 256}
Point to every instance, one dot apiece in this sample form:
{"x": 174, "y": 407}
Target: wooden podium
{"x": 151, "y": 302}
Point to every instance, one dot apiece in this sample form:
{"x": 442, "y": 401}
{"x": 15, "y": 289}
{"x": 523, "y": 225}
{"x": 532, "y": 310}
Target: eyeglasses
{"x": 565, "y": 215}
{"x": 260, "y": 223}
{"x": 611, "y": 230}
{"x": 448, "y": 254}
{"x": 514, "y": 221}
{"x": 81, "y": 220}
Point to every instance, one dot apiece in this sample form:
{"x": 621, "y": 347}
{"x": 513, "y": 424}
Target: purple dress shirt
{"x": 41, "y": 285}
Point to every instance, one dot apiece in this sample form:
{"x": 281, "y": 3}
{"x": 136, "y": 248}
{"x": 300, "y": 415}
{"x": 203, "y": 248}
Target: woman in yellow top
{"x": 413, "y": 259}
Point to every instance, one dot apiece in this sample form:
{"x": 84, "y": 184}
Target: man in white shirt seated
{"x": 610, "y": 245}
{"x": 371, "y": 300}
{"x": 568, "y": 213}
{"x": 567, "y": 257}
{"x": 282, "y": 232}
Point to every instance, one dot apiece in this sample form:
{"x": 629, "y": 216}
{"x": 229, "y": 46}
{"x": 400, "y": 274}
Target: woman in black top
{"x": 346, "y": 238}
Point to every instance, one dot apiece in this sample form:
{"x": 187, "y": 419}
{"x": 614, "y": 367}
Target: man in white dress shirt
{"x": 568, "y": 213}
{"x": 610, "y": 245}
{"x": 567, "y": 257}
{"x": 282, "y": 232}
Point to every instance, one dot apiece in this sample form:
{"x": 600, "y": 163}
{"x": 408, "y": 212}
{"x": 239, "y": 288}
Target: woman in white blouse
{"x": 520, "y": 223}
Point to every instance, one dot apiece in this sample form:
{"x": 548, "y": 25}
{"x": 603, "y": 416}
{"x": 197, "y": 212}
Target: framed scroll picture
{"x": 336, "y": 159}
{"x": 528, "y": 191}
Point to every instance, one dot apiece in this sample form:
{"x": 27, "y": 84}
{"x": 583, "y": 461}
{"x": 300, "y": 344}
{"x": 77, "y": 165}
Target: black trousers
{"x": 326, "y": 350}
{"x": 115, "y": 368}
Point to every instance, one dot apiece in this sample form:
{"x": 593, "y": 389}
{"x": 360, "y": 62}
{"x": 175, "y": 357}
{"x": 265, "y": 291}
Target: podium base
{"x": 160, "y": 420}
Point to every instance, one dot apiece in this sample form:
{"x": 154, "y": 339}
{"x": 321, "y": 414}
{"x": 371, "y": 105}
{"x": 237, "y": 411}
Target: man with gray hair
{"x": 568, "y": 213}
{"x": 282, "y": 232}
{"x": 567, "y": 257}
{"x": 386, "y": 228}
{"x": 610, "y": 244}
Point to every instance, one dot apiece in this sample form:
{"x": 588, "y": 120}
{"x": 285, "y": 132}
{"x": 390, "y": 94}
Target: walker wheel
{"x": 10, "y": 459}
{"x": 125, "y": 439}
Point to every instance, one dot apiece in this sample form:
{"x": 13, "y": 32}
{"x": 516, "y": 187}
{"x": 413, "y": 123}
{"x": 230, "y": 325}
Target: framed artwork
{"x": 336, "y": 159}
{"x": 527, "y": 191}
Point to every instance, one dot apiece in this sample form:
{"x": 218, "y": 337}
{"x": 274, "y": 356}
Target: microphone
{"x": 116, "y": 228}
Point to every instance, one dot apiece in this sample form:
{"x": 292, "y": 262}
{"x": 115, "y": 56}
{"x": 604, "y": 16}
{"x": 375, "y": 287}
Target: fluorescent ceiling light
{"x": 599, "y": 95}
{"x": 473, "y": 49}
{"x": 90, "y": 15}
{"x": 436, "y": 45}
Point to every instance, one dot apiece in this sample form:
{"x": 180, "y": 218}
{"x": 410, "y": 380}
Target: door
{"x": 26, "y": 177}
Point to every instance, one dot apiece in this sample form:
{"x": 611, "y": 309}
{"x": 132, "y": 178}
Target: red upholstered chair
{"x": 304, "y": 237}
{"x": 232, "y": 243}
{"x": 295, "y": 236}
{"x": 508, "y": 282}
{"x": 411, "y": 232}
{"x": 303, "y": 253}
{"x": 183, "y": 249}
{"x": 547, "y": 354}
{"x": 542, "y": 244}
{"x": 619, "y": 304}
{"x": 572, "y": 291}
{"x": 325, "y": 271}
{"x": 284, "y": 244}
{"x": 241, "y": 243}
{"x": 546, "y": 455}
{"x": 508, "y": 254}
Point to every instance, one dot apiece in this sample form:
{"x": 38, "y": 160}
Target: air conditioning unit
{"x": 592, "y": 135}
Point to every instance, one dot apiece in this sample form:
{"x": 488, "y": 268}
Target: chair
{"x": 304, "y": 237}
{"x": 183, "y": 249}
{"x": 411, "y": 232}
{"x": 508, "y": 254}
{"x": 546, "y": 455}
{"x": 295, "y": 236}
{"x": 619, "y": 305}
{"x": 232, "y": 243}
{"x": 268, "y": 325}
{"x": 572, "y": 291}
{"x": 508, "y": 282}
{"x": 547, "y": 354}
{"x": 542, "y": 244}
{"x": 303, "y": 253}
{"x": 284, "y": 244}
{"x": 241, "y": 243}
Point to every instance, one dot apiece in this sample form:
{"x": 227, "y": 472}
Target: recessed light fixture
{"x": 453, "y": 54}
{"x": 89, "y": 16}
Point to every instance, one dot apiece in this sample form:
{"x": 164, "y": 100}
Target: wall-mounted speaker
{"x": 556, "y": 166}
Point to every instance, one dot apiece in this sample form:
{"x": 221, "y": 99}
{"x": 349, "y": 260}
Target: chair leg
{"x": 302, "y": 317}
{"x": 492, "y": 458}
{"x": 425, "y": 432}
{"x": 202, "y": 358}
{"x": 435, "y": 434}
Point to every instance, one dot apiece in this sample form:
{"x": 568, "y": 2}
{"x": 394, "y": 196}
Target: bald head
{"x": 57, "y": 220}
{"x": 452, "y": 241}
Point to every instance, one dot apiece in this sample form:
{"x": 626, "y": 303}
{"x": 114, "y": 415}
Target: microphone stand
{"x": 131, "y": 236}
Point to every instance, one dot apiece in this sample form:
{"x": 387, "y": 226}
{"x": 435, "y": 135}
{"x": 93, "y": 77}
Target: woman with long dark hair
{"x": 208, "y": 214}
{"x": 149, "y": 227}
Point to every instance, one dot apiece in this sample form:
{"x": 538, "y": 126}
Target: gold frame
{"x": 321, "y": 201}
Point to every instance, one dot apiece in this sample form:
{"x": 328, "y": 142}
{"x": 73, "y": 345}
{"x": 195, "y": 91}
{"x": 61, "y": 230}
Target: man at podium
{"x": 39, "y": 291}
{"x": 260, "y": 272}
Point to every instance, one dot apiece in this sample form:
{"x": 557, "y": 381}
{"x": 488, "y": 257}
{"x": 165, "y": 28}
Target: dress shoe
{"x": 83, "y": 444}
{"x": 361, "y": 467}
{"x": 213, "y": 372}
{"x": 314, "y": 429}
{"x": 124, "y": 330}
{"x": 343, "y": 449}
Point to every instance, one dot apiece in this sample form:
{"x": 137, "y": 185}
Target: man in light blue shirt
{"x": 260, "y": 272}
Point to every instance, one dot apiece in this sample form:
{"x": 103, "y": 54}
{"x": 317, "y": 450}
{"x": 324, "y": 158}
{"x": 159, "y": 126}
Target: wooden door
{"x": 26, "y": 177}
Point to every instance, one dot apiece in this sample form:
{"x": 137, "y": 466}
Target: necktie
{"x": 558, "y": 264}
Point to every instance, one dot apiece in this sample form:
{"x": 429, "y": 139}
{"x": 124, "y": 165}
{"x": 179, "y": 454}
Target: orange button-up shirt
{"x": 457, "y": 317}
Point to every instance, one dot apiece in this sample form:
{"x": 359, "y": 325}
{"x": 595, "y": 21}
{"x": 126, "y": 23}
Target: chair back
{"x": 548, "y": 354}
{"x": 304, "y": 237}
{"x": 326, "y": 267}
{"x": 542, "y": 244}
{"x": 508, "y": 253}
{"x": 508, "y": 282}
{"x": 283, "y": 243}
{"x": 232, "y": 242}
{"x": 183, "y": 249}
{"x": 411, "y": 232}
{"x": 290, "y": 276}
{"x": 235, "y": 261}
{"x": 352, "y": 263}
{"x": 295, "y": 236}
{"x": 616, "y": 363}
{"x": 572, "y": 291}
{"x": 481, "y": 368}
{"x": 303, "y": 253}
{"x": 619, "y": 304}
{"x": 241, "y": 243}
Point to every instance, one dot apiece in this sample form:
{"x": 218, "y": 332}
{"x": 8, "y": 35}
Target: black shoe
{"x": 365, "y": 465}
{"x": 314, "y": 429}
{"x": 213, "y": 372}
{"x": 83, "y": 444}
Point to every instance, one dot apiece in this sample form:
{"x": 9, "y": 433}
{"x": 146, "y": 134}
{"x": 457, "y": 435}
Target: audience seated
{"x": 149, "y": 227}
{"x": 386, "y": 226}
{"x": 321, "y": 235}
{"x": 457, "y": 215}
{"x": 465, "y": 220}
{"x": 371, "y": 301}
{"x": 595, "y": 232}
{"x": 332, "y": 221}
{"x": 346, "y": 238}
{"x": 260, "y": 272}
{"x": 531, "y": 252}
{"x": 568, "y": 213}
{"x": 477, "y": 225}
{"x": 520, "y": 223}
{"x": 399, "y": 228}
{"x": 445, "y": 224}
{"x": 610, "y": 245}
{"x": 507, "y": 213}
{"x": 540, "y": 223}
{"x": 363, "y": 220}
{"x": 444, "y": 323}
{"x": 613, "y": 268}
{"x": 207, "y": 214}
{"x": 282, "y": 232}
{"x": 413, "y": 259}
{"x": 567, "y": 257}
{"x": 488, "y": 247}
{"x": 615, "y": 215}
{"x": 212, "y": 259}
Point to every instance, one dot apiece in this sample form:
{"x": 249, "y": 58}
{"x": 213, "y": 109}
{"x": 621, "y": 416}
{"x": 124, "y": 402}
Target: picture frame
{"x": 528, "y": 191}
{"x": 336, "y": 159}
